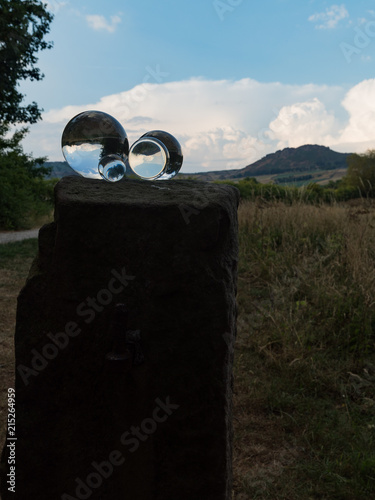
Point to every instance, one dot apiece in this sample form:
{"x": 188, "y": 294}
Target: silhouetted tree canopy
{"x": 23, "y": 26}
{"x": 24, "y": 194}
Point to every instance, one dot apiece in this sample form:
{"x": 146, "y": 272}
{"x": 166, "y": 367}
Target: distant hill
{"x": 301, "y": 163}
{"x": 304, "y": 159}
{"x": 59, "y": 169}
{"x": 62, "y": 169}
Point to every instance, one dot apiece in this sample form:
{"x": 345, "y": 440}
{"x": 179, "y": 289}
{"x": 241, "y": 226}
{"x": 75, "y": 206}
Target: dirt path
{"x": 7, "y": 237}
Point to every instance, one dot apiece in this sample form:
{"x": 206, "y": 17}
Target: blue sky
{"x": 232, "y": 80}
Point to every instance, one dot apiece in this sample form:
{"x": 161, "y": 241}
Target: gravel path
{"x": 7, "y": 237}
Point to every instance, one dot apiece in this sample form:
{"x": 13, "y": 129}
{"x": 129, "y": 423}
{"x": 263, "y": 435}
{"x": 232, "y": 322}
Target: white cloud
{"x": 360, "y": 105}
{"x": 303, "y": 123}
{"x": 330, "y": 18}
{"x": 231, "y": 148}
{"x": 100, "y": 23}
{"x": 55, "y": 6}
{"x": 229, "y": 124}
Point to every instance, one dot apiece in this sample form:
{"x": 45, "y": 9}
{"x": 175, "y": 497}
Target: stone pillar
{"x": 89, "y": 427}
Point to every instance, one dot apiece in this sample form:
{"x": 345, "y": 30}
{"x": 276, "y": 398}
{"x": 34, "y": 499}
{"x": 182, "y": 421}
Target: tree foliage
{"x": 23, "y": 191}
{"x": 361, "y": 172}
{"x": 23, "y": 26}
{"x": 24, "y": 194}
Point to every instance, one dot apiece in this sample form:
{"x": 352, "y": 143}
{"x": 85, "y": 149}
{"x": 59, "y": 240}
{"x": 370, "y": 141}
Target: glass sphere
{"x": 112, "y": 168}
{"x": 91, "y": 137}
{"x": 157, "y": 155}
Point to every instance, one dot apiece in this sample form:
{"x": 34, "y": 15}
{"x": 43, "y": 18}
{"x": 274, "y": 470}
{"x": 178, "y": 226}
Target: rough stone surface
{"x": 86, "y": 429}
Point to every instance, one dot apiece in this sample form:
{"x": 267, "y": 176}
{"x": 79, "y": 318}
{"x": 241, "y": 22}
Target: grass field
{"x": 304, "y": 401}
{"x": 15, "y": 261}
{"x": 321, "y": 177}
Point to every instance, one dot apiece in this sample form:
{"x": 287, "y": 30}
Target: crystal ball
{"x": 157, "y": 155}
{"x": 112, "y": 168}
{"x": 90, "y": 142}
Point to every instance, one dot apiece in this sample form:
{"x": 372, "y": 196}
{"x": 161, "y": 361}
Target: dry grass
{"x": 9, "y": 290}
{"x": 15, "y": 261}
{"x": 305, "y": 363}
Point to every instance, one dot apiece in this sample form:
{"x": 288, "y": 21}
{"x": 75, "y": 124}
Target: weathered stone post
{"x": 89, "y": 425}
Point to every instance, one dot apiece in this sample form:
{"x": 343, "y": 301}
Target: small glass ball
{"x": 157, "y": 155}
{"x": 112, "y": 168}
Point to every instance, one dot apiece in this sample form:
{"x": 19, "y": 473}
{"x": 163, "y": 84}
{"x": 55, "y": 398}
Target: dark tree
{"x": 23, "y": 26}
{"x": 24, "y": 194}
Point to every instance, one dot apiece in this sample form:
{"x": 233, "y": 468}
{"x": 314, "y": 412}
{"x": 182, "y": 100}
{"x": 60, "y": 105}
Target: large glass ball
{"x": 157, "y": 155}
{"x": 91, "y": 141}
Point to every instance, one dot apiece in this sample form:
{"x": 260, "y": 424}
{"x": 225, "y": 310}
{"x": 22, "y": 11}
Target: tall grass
{"x": 15, "y": 262}
{"x": 305, "y": 352}
{"x": 313, "y": 193}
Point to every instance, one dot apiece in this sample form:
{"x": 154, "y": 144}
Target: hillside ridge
{"x": 303, "y": 159}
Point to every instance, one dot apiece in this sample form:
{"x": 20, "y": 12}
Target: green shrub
{"x": 24, "y": 194}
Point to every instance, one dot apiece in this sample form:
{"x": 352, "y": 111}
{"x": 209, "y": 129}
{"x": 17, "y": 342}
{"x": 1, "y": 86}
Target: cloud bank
{"x": 55, "y": 6}
{"x": 330, "y": 18}
{"x": 227, "y": 124}
{"x": 100, "y": 23}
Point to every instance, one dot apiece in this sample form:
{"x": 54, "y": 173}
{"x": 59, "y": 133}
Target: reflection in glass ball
{"x": 89, "y": 138}
{"x": 156, "y": 155}
{"x": 112, "y": 168}
{"x": 148, "y": 157}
